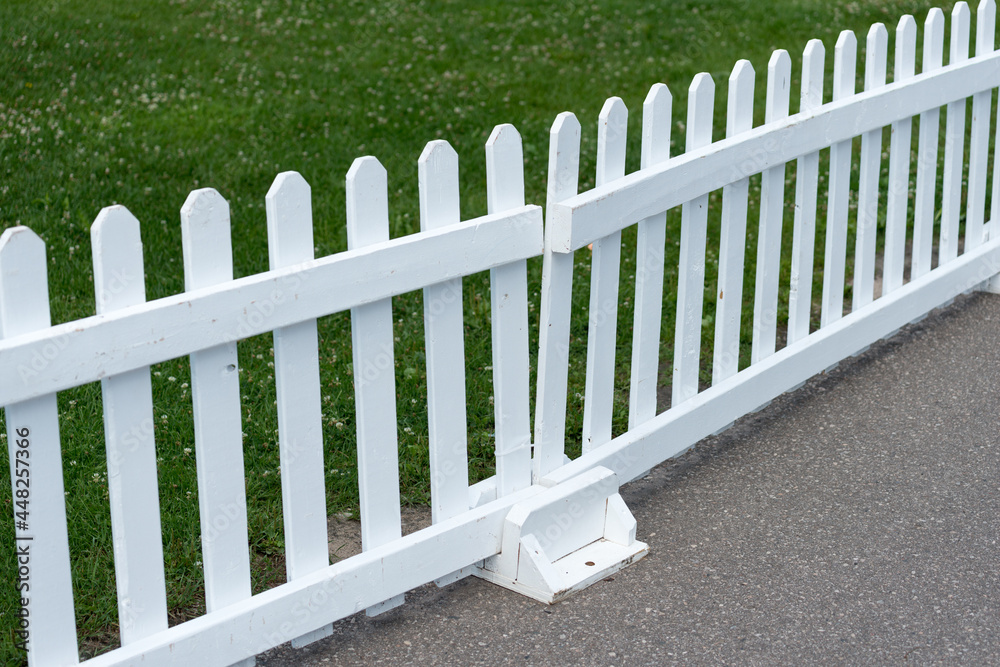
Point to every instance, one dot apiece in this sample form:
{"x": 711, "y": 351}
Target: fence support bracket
{"x": 565, "y": 538}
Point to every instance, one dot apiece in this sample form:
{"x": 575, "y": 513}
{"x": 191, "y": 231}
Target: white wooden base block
{"x": 565, "y": 538}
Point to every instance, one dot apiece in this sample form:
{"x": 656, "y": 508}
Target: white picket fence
{"x": 542, "y": 525}
{"x": 642, "y": 198}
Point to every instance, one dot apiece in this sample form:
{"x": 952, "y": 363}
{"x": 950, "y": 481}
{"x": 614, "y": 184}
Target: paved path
{"x": 854, "y": 521}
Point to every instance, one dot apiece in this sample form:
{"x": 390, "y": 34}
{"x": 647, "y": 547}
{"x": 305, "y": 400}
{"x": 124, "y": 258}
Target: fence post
{"x": 296, "y": 375}
{"x": 556, "y": 304}
{"x": 509, "y": 304}
{"x": 835, "y": 260}
{"x": 602, "y": 330}
{"x": 128, "y": 430}
{"x": 44, "y": 582}
{"x": 899, "y": 165}
{"x": 694, "y": 231}
{"x": 651, "y": 238}
{"x": 806, "y": 189}
{"x": 215, "y": 396}
{"x": 927, "y": 154}
{"x": 772, "y": 209}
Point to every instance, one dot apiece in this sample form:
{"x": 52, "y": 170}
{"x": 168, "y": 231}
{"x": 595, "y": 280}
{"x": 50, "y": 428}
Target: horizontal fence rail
{"x": 587, "y": 217}
{"x": 102, "y": 345}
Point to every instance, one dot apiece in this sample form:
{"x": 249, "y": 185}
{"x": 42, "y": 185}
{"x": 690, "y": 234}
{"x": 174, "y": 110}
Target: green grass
{"x": 139, "y": 103}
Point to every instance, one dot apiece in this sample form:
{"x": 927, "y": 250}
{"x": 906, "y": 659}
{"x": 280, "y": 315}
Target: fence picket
{"x": 128, "y": 432}
{"x": 732, "y": 237}
{"x": 602, "y": 331}
{"x": 444, "y": 332}
{"x": 215, "y": 395}
{"x": 924, "y": 205}
{"x": 374, "y": 371}
{"x": 979, "y": 142}
{"x": 835, "y": 259}
{"x": 650, "y": 241}
{"x": 772, "y": 205}
{"x": 993, "y": 224}
{"x": 898, "y": 193}
{"x": 691, "y": 271}
{"x": 40, "y": 509}
{"x": 954, "y": 143}
{"x": 296, "y": 373}
{"x": 509, "y": 305}
{"x": 806, "y": 189}
{"x": 556, "y": 304}
{"x": 876, "y": 52}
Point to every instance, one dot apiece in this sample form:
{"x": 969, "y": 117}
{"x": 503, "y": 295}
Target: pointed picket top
{"x": 612, "y": 127}
{"x": 933, "y": 40}
{"x": 657, "y": 110}
{"x": 845, "y": 62}
{"x": 813, "y": 64}
{"x": 701, "y": 103}
{"x": 206, "y": 239}
{"x": 504, "y": 169}
{"x": 779, "y": 83}
{"x": 367, "y": 203}
{"x": 906, "y": 48}
{"x": 876, "y": 52}
{"x": 289, "y": 220}
{"x": 960, "y": 21}
{"x": 739, "y": 106}
{"x": 118, "y": 270}
{"x": 986, "y": 18}
{"x": 23, "y": 283}
{"x": 437, "y": 176}
{"x": 564, "y": 159}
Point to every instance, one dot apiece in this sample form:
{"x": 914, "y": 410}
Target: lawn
{"x": 139, "y": 103}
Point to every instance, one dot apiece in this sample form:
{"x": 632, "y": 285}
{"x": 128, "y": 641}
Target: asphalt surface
{"x": 854, "y": 521}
